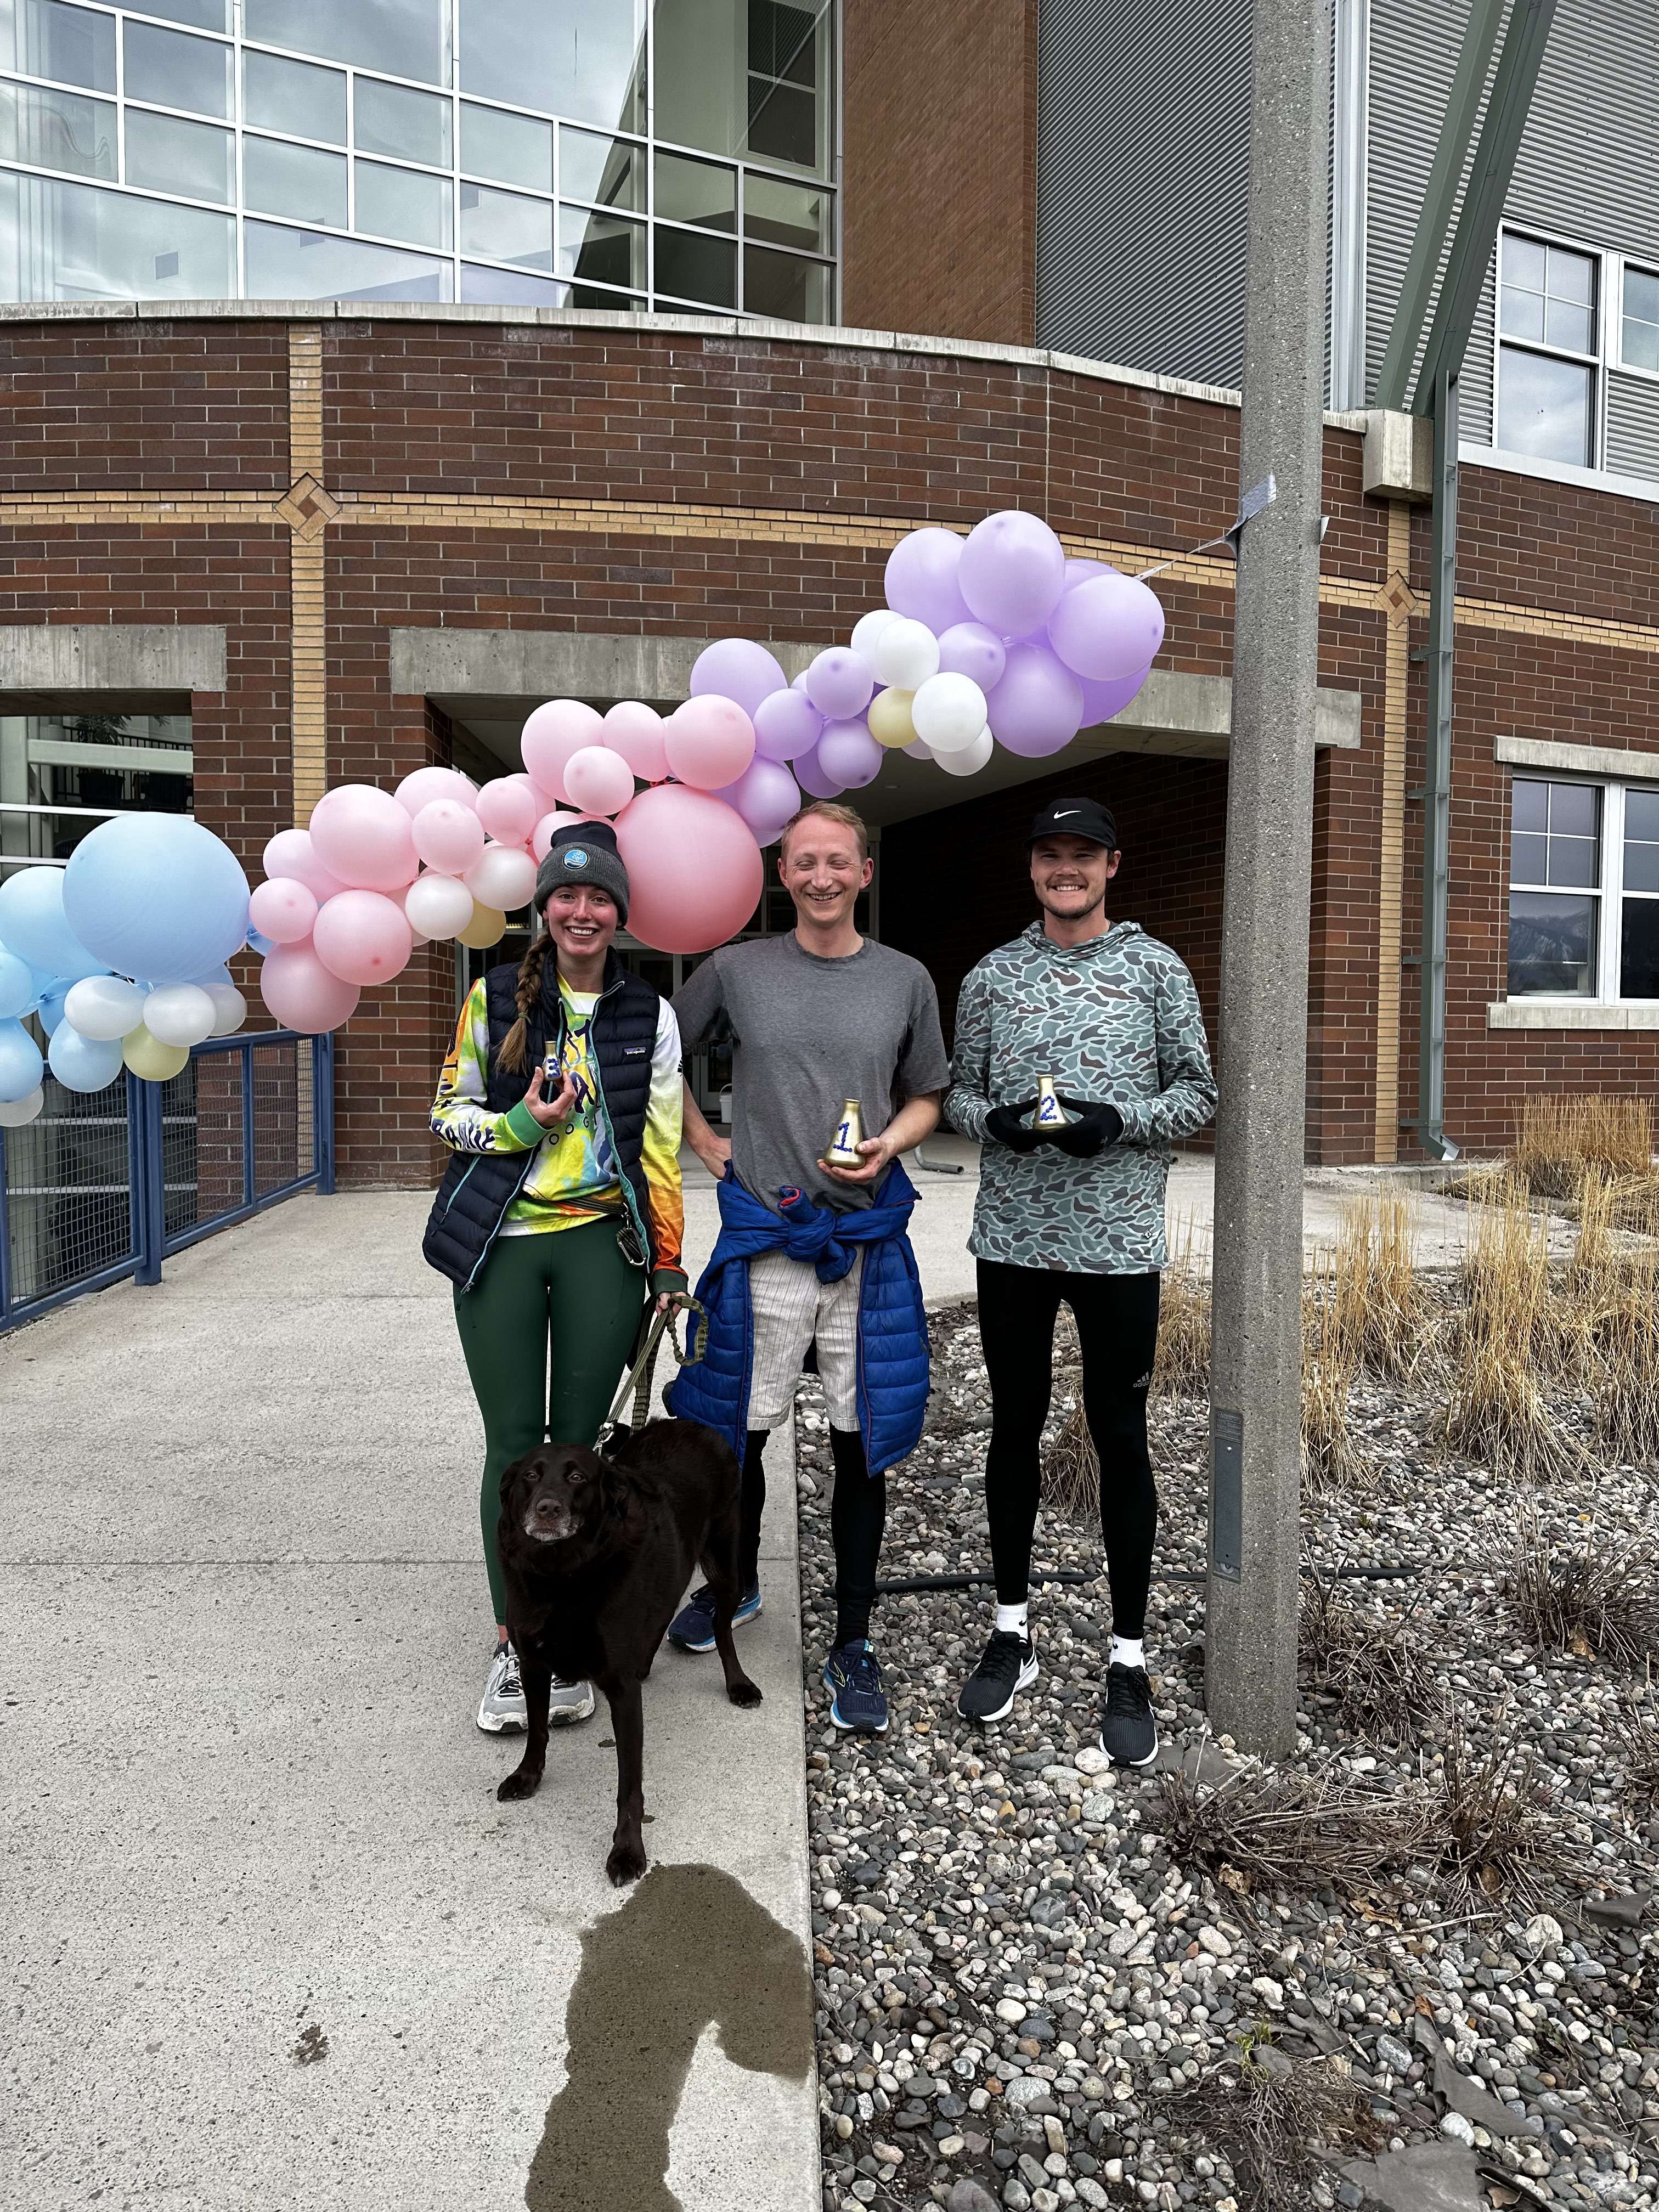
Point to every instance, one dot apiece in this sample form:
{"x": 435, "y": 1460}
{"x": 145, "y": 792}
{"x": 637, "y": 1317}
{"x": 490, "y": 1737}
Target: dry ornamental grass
{"x": 1385, "y": 1312}
{"x": 1268, "y": 2114}
{"x": 1373, "y": 1674}
{"x": 1330, "y": 1366}
{"x": 1597, "y": 1602}
{"x": 1495, "y": 1839}
{"x": 1506, "y": 1334}
{"x": 1266, "y": 1829}
{"x": 1557, "y": 1138}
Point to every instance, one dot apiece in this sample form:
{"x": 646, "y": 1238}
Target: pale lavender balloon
{"x": 737, "y": 668}
{"x": 766, "y": 795}
{"x": 787, "y": 725}
{"x": 1108, "y": 627}
{"x": 1013, "y": 572}
{"x": 1102, "y": 701}
{"x": 1079, "y": 572}
{"x": 812, "y": 779}
{"x": 1038, "y": 706}
{"x": 839, "y": 683}
{"x": 969, "y": 649}
{"x": 799, "y": 683}
{"x": 922, "y": 578}
{"x": 847, "y": 751}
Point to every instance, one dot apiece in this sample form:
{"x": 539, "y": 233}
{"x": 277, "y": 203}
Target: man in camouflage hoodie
{"x": 1074, "y": 1210}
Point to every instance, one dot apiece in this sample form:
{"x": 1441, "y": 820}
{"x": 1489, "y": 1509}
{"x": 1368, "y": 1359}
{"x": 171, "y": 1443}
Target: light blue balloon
{"x": 18, "y": 990}
{"x": 21, "y": 1064}
{"x": 50, "y": 1011}
{"x": 260, "y": 943}
{"x": 34, "y": 925}
{"x": 156, "y": 895}
{"x": 83, "y": 1063}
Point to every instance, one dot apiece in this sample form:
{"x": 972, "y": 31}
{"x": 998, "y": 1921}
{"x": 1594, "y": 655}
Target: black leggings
{"x": 858, "y": 1516}
{"x": 1116, "y": 1318}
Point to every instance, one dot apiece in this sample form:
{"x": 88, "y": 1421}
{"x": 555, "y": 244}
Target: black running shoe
{"x": 1008, "y": 1666}
{"x": 1128, "y": 1733}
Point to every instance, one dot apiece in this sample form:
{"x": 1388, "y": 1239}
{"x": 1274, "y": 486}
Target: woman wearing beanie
{"x": 564, "y": 1198}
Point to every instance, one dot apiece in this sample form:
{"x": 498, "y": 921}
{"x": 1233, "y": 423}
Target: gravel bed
{"x": 1016, "y": 1981}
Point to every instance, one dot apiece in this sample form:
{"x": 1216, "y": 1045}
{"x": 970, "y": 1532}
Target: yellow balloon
{"x": 488, "y": 926}
{"x": 147, "y": 1056}
{"x": 890, "y": 719}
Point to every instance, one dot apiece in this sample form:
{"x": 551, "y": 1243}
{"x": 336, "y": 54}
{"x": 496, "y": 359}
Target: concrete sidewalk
{"x": 269, "y": 1938}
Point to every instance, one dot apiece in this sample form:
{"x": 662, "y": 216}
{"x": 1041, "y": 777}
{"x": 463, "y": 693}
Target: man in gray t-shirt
{"x": 817, "y": 1016}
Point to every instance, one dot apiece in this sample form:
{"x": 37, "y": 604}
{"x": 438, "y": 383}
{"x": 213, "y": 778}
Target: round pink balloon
{"x": 1038, "y": 706}
{"x": 544, "y": 831}
{"x": 634, "y": 730}
{"x": 737, "y": 669}
{"x": 848, "y": 753}
{"x": 693, "y": 870}
{"x": 786, "y": 726}
{"x": 839, "y": 682}
{"x": 362, "y": 937}
{"x": 363, "y": 835}
{"x": 922, "y": 578}
{"x": 302, "y": 995}
{"x": 291, "y": 853}
{"x": 972, "y": 650}
{"x": 551, "y": 734}
{"x": 446, "y": 836}
{"x": 598, "y": 781}
{"x": 427, "y": 784}
{"x": 283, "y": 909}
{"x": 508, "y": 807}
{"x": 766, "y": 795}
{"x": 812, "y": 777}
{"x": 1102, "y": 701}
{"x": 1013, "y": 572}
{"x": 1106, "y": 627}
{"x": 710, "y": 742}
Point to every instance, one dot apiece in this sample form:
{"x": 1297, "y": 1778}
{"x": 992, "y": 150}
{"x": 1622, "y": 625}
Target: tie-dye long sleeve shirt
{"x": 574, "y": 1177}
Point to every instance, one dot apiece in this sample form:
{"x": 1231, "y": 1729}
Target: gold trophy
{"x": 1050, "y": 1114}
{"x": 842, "y": 1149}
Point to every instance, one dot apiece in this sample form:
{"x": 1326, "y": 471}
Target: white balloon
{"x": 230, "y": 1008}
{"x": 180, "y": 1013}
{"x": 969, "y": 759}
{"x": 437, "y": 906}
{"x": 104, "y": 1007}
{"x": 919, "y": 749}
{"x": 15, "y": 1112}
{"x": 867, "y": 629}
{"x": 503, "y": 877}
{"x": 907, "y": 653}
{"x": 948, "y": 713}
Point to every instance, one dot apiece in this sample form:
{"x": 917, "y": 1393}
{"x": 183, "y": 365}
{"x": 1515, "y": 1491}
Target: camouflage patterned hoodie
{"x": 1115, "y": 1020}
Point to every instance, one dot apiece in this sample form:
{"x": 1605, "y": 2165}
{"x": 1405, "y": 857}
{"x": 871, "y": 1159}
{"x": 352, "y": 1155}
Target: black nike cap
{"x": 1077, "y": 818}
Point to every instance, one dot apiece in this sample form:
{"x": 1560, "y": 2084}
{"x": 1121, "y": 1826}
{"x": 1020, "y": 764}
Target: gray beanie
{"x": 584, "y": 853}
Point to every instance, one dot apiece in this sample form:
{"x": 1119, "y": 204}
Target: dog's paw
{"x": 522, "y": 1782}
{"x": 743, "y": 1692}
{"x": 626, "y": 1864}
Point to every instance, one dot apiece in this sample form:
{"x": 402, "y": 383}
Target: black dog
{"x": 596, "y": 1550}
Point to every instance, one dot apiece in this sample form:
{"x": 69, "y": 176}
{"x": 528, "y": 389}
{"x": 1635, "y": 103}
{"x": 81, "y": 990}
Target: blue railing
{"x": 99, "y": 1187}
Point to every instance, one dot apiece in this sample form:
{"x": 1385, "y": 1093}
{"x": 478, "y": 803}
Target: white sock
{"x": 1128, "y": 1651}
{"x": 1011, "y": 1619}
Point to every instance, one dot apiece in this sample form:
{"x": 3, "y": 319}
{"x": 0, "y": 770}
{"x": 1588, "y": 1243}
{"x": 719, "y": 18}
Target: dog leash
{"x": 639, "y": 1376}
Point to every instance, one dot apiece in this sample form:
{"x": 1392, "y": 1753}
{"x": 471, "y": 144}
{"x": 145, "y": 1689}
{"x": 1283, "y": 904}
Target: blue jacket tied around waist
{"x": 892, "y": 1372}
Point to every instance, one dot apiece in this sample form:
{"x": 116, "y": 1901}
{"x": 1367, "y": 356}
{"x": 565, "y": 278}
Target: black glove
{"x": 1090, "y": 1128}
{"x": 1004, "y": 1124}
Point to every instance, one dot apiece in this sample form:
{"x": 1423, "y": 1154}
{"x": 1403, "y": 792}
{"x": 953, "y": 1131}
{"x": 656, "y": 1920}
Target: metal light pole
{"x": 1256, "y": 1366}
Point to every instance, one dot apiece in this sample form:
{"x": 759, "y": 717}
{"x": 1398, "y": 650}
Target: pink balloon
{"x": 363, "y": 837}
{"x": 811, "y": 776}
{"x": 446, "y": 836}
{"x": 300, "y": 994}
{"x": 1106, "y": 627}
{"x": 1013, "y": 572}
{"x": 508, "y": 807}
{"x": 710, "y": 742}
{"x": 737, "y": 669}
{"x": 291, "y": 853}
{"x": 787, "y": 725}
{"x": 694, "y": 869}
{"x": 282, "y": 909}
{"x": 362, "y": 937}
{"x": 922, "y": 578}
{"x": 1102, "y": 701}
{"x": 839, "y": 683}
{"x": 427, "y": 784}
{"x": 848, "y": 752}
{"x": 972, "y": 650}
{"x": 634, "y": 730}
{"x": 551, "y": 734}
{"x": 1038, "y": 706}
{"x": 598, "y": 780}
{"x": 766, "y": 795}
{"x": 543, "y": 835}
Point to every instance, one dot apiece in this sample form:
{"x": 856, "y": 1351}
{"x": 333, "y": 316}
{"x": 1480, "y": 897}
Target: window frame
{"x": 1595, "y": 361}
{"x": 1608, "y": 891}
{"x": 1626, "y": 261}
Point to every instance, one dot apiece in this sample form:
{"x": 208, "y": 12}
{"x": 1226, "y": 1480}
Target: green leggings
{"x": 572, "y": 1287}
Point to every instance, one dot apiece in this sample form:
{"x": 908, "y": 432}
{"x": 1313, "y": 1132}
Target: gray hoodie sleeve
{"x": 968, "y": 1101}
{"x": 1187, "y": 1089}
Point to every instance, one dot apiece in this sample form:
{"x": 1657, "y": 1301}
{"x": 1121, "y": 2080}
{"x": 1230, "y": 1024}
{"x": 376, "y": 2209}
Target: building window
{"x": 1549, "y": 351}
{"x": 1583, "y": 890}
{"x": 1639, "y": 345}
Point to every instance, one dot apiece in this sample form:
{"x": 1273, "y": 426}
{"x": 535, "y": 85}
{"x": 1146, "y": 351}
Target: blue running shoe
{"x": 692, "y": 1628}
{"x": 859, "y": 1702}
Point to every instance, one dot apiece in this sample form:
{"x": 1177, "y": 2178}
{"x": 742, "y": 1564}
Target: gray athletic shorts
{"x": 790, "y": 1307}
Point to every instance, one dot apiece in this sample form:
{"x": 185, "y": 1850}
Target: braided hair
{"x": 527, "y": 998}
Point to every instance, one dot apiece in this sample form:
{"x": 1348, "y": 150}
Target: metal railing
{"x": 101, "y": 1185}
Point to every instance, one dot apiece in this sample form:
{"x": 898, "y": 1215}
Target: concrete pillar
{"x": 1256, "y": 1366}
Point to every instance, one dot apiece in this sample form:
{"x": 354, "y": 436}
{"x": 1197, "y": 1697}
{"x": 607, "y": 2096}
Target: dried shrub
{"x": 1071, "y": 1469}
{"x": 1494, "y": 1839}
{"x": 1625, "y": 1334}
{"x": 1373, "y": 1673}
{"x": 1505, "y": 1335}
{"x": 1181, "y": 1367}
{"x": 1595, "y": 1602}
{"x": 1268, "y": 2116}
{"x": 1330, "y": 1366}
{"x": 1557, "y": 1138}
{"x": 1639, "y": 1745}
{"x": 1385, "y": 1312}
{"x": 1275, "y": 1829}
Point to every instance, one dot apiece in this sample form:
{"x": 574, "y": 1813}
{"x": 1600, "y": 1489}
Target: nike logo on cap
{"x": 1062, "y": 812}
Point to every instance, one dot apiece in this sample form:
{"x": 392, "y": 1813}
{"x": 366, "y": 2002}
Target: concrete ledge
{"x": 44, "y": 663}
{"x": 1567, "y": 1014}
{"x": 1192, "y": 716}
{"x": 1581, "y": 760}
{"x": 1399, "y": 455}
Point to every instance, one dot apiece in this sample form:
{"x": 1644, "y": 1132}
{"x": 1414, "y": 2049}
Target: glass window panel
{"x": 176, "y": 70}
{"x": 171, "y": 156}
{"x": 1642, "y": 816}
{"x": 406, "y": 204}
{"x": 606, "y": 249}
{"x": 515, "y": 148}
{"x": 1571, "y": 277}
{"x": 1523, "y": 313}
{"x": 780, "y": 40}
{"x": 1641, "y": 345}
{"x": 57, "y": 131}
{"x": 784, "y": 286}
{"x": 1638, "y": 950}
{"x": 1529, "y": 804}
{"x": 506, "y": 227}
{"x": 1528, "y": 859}
{"x": 783, "y": 124}
{"x": 1544, "y": 407}
{"x": 297, "y": 180}
{"x": 295, "y": 96}
{"x": 1574, "y": 808}
{"x": 1574, "y": 328}
{"x": 696, "y": 191}
{"x": 590, "y": 295}
{"x": 1572, "y": 862}
{"x": 1524, "y": 262}
{"x": 1642, "y": 294}
{"x": 202, "y": 14}
{"x": 695, "y": 266}
{"x": 1552, "y": 946}
{"x": 510, "y": 287}
{"x": 43, "y": 38}
{"x": 64, "y": 242}
{"x": 1641, "y": 867}
{"x": 786, "y": 214}
{"x": 298, "y": 265}
{"x": 584, "y": 58}
{"x": 608, "y": 170}
{"x": 414, "y": 127}
{"x": 404, "y": 38}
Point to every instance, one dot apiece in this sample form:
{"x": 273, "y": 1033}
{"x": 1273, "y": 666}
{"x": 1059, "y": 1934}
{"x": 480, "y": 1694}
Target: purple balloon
{"x": 839, "y": 683}
{"x": 812, "y": 779}
{"x": 1102, "y": 701}
{"x": 1038, "y": 706}
{"x": 1079, "y": 572}
{"x": 766, "y": 795}
{"x": 785, "y": 725}
{"x": 737, "y": 668}
{"x": 1013, "y": 572}
{"x": 848, "y": 753}
{"x": 969, "y": 649}
{"x": 1108, "y": 627}
{"x": 922, "y": 578}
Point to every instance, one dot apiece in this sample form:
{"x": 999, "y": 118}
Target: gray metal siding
{"x": 1475, "y": 389}
{"x": 1143, "y": 160}
{"x": 1632, "y": 426}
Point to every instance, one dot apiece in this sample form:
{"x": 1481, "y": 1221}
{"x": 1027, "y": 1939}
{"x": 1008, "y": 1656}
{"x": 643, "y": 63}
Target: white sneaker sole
{"x": 501, "y": 1724}
{"x": 1135, "y": 1763}
{"x": 568, "y": 1716}
{"x": 1028, "y": 1674}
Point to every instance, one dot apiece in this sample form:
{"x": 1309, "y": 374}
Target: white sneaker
{"x": 570, "y": 1702}
{"x": 502, "y": 1704}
